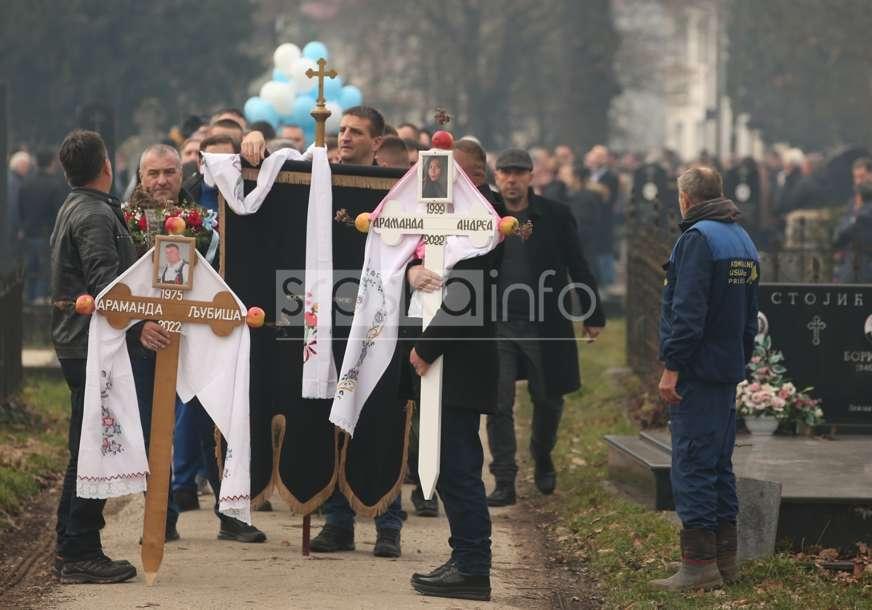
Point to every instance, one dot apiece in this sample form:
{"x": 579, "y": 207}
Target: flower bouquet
{"x": 768, "y": 396}
{"x": 147, "y": 217}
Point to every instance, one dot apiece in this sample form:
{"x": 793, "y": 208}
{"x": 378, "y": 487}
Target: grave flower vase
{"x": 761, "y": 425}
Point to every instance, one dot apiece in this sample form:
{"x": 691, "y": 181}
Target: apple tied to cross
{"x": 175, "y": 225}
{"x": 442, "y": 140}
{"x": 255, "y": 317}
{"x": 508, "y": 225}
{"x": 85, "y": 305}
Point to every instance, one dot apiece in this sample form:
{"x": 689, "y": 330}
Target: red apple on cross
{"x": 175, "y": 225}
{"x": 85, "y": 305}
{"x": 443, "y": 140}
{"x": 255, "y": 317}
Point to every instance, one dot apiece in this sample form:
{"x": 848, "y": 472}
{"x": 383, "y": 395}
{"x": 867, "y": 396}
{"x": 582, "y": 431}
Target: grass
{"x": 623, "y": 545}
{"x": 33, "y": 443}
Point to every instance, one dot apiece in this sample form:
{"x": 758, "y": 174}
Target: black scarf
{"x": 720, "y": 209}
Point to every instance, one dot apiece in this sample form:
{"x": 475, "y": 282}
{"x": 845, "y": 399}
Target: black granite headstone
{"x": 825, "y": 332}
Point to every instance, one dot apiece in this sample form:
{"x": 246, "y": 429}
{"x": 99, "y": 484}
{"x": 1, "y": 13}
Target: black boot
{"x": 728, "y": 545}
{"x": 234, "y": 529}
{"x": 425, "y": 508}
{"x": 502, "y": 495}
{"x": 450, "y": 582}
{"x": 545, "y": 475}
{"x": 101, "y": 570}
{"x": 433, "y": 573}
{"x": 331, "y": 539}
{"x": 387, "y": 543}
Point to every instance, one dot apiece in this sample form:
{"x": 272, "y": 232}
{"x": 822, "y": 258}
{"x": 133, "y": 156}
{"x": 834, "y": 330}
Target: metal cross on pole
{"x": 119, "y": 306}
{"x": 435, "y": 225}
{"x": 320, "y": 113}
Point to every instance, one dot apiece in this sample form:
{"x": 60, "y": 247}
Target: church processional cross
{"x": 320, "y": 113}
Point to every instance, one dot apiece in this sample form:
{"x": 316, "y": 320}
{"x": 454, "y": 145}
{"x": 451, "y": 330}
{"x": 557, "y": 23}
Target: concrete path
{"x": 200, "y": 571}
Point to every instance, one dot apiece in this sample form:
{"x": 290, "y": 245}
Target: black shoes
{"x": 503, "y": 495}
{"x": 234, "y": 529}
{"x": 425, "y": 508}
{"x": 101, "y": 571}
{"x": 433, "y": 573}
{"x": 332, "y": 539}
{"x": 186, "y": 499}
{"x": 448, "y": 581}
{"x": 263, "y": 507}
{"x": 545, "y": 475}
{"x": 387, "y": 543}
{"x": 172, "y": 534}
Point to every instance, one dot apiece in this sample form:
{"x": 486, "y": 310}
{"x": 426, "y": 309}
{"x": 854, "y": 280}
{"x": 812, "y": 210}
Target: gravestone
{"x": 759, "y": 503}
{"x": 825, "y": 332}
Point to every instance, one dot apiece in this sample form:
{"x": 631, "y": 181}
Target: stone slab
{"x": 759, "y": 503}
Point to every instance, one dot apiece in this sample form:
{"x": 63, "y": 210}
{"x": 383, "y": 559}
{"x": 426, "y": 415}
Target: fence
{"x": 11, "y": 372}
{"x": 652, "y": 230}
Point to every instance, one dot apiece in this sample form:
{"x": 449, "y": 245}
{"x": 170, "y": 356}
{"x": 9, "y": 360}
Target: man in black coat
{"x": 534, "y": 327}
{"x": 465, "y": 345}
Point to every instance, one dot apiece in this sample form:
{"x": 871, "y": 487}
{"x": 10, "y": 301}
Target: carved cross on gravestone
{"x": 171, "y": 310}
{"x": 816, "y": 326}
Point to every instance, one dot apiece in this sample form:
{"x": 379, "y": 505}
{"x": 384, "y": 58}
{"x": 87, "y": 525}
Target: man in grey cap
{"x": 535, "y": 315}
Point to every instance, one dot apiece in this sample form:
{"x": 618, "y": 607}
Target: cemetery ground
{"x": 621, "y": 545}
{"x": 585, "y": 546}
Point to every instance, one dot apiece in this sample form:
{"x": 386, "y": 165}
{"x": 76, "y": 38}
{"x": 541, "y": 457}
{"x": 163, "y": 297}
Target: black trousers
{"x": 462, "y": 491}
{"x": 518, "y": 346}
{"x": 79, "y": 519}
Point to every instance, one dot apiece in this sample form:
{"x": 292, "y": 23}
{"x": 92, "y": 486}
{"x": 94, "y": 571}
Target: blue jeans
{"x": 188, "y": 458}
{"x": 462, "y": 491}
{"x": 338, "y": 512}
{"x": 703, "y": 429}
{"x": 37, "y": 267}
{"x": 142, "y": 364}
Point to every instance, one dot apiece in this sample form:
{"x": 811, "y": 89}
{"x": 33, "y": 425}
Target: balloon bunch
{"x": 290, "y": 96}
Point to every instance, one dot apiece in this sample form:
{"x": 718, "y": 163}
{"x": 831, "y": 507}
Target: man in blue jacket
{"x": 707, "y": 327}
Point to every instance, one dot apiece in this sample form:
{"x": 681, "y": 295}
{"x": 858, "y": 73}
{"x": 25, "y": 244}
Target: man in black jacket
{"x": 467, "y": 346}
{"x": 534, "y": 325}
{"x": 90, "y": 247}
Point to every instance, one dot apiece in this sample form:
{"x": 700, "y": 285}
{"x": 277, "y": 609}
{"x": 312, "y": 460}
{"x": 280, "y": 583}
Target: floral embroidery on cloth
{"x": 371, "y": 279}
{"x": 111, "y": 427}
{"x": 310, "y": 329}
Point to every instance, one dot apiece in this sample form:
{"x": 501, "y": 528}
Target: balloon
{"x": 350, "y": 96}
{"x": 300, "y": 112}
{"x": 280, "y": 95}
{"x": 279, "y": 76}
{"x": 285, "y": 56}
{"x": 333, "y": 88}
{"x": 258, "y": 109}
{"x": 335, "y": 117}
{"x": 298, "y": 75}
{"x": 315, "y": 50}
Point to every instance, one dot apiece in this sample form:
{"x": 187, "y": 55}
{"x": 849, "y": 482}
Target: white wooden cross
{"x": 436, "y": 225}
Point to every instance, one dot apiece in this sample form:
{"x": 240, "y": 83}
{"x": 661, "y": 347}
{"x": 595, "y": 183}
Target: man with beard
{"x": 707, "y": 327}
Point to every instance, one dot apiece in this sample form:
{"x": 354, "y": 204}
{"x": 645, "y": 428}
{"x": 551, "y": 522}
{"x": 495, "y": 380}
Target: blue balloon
{"x": 315, "y": 50}
{"x": 279, "y": 76}
{"x": 350, "y": 96}
{"x": 258, "y": 109}
{"x": 300, "y": 114}
{"x": 333, "y": 88}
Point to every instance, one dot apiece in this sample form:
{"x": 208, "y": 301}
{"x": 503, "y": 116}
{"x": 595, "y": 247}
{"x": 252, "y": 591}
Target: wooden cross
{"x": 436, "y": 225}
{"x": 320, "y": 113}
{"x": 119, "y": 306}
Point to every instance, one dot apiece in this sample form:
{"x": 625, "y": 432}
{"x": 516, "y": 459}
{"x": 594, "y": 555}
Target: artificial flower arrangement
{"x": 146, "y": 217}
{"x": 769, "y": 393}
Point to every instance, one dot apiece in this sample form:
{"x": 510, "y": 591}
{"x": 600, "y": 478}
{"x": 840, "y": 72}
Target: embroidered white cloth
{"x": 225, "y": 171}
{"x": 373, "y": 335}
{"x": 112, "y": 458}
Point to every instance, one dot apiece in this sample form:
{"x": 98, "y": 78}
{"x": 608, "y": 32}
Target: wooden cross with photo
{"x": 174, "y": 264}
{"x": 435, "y": 224}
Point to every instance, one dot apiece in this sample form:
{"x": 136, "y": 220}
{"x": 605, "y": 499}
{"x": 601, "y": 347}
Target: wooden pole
{"x": 159, "y": 455}
{"x": 307, "y": 531}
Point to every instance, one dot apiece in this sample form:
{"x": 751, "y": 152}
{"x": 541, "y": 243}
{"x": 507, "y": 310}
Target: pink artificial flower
{"x": 311, "y": 319}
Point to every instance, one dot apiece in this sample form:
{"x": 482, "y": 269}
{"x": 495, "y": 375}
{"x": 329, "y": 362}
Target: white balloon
{"x": 280, "y": 95}
{"x": 335, "y": 117}
{"x": 298, "y": 74}
{"x": 285, "y": 56}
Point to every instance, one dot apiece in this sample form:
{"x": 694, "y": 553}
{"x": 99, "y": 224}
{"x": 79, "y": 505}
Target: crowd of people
{"x": 575, "y": 203}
